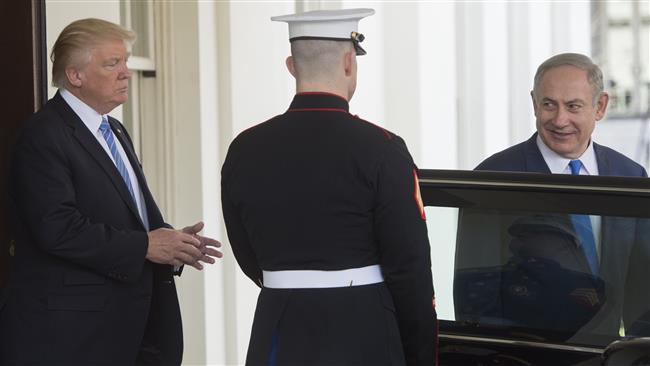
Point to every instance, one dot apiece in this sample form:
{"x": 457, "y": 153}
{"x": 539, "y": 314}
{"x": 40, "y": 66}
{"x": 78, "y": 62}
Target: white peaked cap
{"x": 326, "y": 24}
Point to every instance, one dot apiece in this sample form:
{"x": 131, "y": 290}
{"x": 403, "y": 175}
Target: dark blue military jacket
{"x": 317, "y": 188}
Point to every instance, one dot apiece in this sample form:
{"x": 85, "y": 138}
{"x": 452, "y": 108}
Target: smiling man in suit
{"x": 92, "y": 276}
{"x": 568, "y": 99}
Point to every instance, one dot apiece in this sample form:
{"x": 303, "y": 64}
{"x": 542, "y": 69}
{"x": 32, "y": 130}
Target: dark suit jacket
{"x": 526, "y": 157}
{"x": 624, "y": 243}
{"x": 81, "y": 290}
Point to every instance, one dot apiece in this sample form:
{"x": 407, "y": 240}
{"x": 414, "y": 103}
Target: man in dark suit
{"x": 323, "y": 212}
{"x": 568, "y": 98}
{"x": 92, "y": 275}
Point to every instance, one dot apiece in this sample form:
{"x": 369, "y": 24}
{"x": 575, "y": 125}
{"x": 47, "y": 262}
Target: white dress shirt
{"x": 92, "y": 120}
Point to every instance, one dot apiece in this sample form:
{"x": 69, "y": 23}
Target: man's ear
{"x": 291, "y": 66}
{"x": 348, "y": 62}
{"x": 532, "y": 98}
{"x": 74, "y": 76}
{"x": 601, "y": 105}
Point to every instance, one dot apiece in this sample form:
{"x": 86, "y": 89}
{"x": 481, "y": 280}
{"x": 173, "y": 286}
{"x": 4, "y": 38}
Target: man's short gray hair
{"x": 594, "y": 74}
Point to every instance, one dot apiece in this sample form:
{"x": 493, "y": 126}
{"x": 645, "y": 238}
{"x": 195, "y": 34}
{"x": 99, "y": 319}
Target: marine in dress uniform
{"x": 323, "y": 212}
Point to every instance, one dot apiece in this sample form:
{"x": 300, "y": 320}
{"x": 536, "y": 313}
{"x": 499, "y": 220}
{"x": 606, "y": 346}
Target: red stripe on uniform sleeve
{"x": 417, "y": 196}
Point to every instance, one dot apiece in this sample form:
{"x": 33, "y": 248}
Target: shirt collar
{"x": 560, "y": 165}
{"x": 88, "y": 116}
{"x": 319, "y": 101}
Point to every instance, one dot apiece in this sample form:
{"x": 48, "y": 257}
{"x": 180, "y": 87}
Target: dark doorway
{"x": 24, "y": 82}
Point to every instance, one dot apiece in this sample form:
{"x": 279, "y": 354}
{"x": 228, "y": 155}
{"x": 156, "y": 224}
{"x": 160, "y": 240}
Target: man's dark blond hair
{"x": 75, "y": 43}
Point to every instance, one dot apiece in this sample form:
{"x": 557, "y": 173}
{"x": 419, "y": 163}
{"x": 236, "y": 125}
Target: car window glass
{"x": 524, "y": 272}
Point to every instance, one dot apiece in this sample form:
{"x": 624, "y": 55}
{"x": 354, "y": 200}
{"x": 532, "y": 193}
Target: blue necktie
{"x": 119, "y": 164}
{"x": 582, "y": 226}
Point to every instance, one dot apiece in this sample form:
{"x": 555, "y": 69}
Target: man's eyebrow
{"x": 577, "y": 100}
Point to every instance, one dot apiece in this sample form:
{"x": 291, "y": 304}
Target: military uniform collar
{"x": 319, "y": 101}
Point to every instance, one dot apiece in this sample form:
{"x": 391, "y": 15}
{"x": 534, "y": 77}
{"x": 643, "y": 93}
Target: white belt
{"x": 323, "y": 279}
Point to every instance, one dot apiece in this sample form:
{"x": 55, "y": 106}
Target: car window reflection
{"x": 531, "y": 271}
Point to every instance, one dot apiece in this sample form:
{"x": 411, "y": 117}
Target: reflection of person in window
{"x": 568, "y": 98}
{"x": 539, "y": 279}
{"x": 549, "y": 276}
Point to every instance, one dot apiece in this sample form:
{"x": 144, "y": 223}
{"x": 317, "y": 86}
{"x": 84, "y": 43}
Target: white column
{"x": 471, "y": 112}
{"x": 570, "y": 27}
{"x": 496, "y": 75}
{"x": 183, "y": 115}
{"x": 540, "y": 36}
{"x": 438, "y": 93}
{"x": 214, "y": 286}
{"x": 520, "y": 82}
{"x": 484, "y": 80}
{"x": 401, "y": 72}
{"x": 438, "y": 133}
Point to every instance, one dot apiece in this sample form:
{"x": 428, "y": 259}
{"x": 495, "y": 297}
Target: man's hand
{"x": 207, "y": 244}
{"x": 167, "y": 246}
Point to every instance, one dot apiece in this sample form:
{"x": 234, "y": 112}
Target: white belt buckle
{"x": 323, "y": 279}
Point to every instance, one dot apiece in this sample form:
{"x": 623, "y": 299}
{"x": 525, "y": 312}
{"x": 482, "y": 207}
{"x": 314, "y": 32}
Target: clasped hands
{"x": 179, "y": 247}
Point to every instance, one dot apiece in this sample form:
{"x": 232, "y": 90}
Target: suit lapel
{"x": 604, "y": 167}
{"x": 153, "y": 214}
{"x": 90, "y": 144}
{"x": 534, "y": 159}
{"x": 125, "y": 141}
